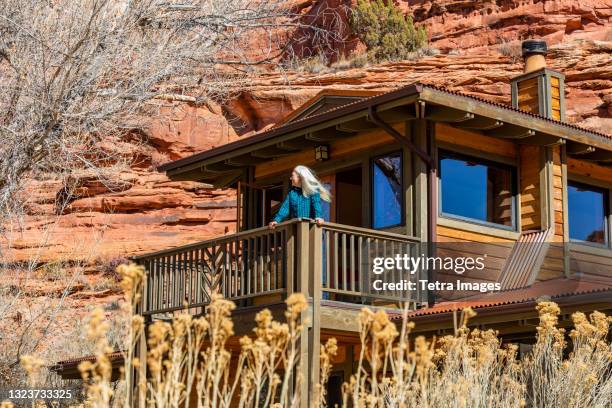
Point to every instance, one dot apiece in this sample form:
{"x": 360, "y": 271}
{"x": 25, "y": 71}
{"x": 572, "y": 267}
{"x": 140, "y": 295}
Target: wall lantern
{"x": 322, "y": 153}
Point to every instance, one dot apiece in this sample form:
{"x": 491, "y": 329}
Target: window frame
{"x": 447, "y": 153}
{"x": 607, "y": 202}
{"x": 370, "y": 193}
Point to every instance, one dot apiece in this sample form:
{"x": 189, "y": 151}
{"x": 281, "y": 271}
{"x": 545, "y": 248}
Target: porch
{"x": 262, "y": 266}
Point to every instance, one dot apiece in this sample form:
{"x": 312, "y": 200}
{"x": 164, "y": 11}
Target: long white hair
{"x": 311, "y": 184}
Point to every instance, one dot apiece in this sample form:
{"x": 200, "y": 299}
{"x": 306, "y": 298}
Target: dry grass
{"x": 191, "y": 356}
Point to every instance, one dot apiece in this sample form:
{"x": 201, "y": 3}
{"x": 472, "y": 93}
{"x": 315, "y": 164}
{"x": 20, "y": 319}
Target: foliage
{"x": 192, "y": 356}
{"x": 80, "y": 77}
{"x": 386, "y": 32}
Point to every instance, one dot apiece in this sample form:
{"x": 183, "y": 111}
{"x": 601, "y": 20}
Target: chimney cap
{"x": 531, "y": 47}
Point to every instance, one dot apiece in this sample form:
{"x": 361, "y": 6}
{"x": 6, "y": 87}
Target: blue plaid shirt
{"x": 296, "y": 205}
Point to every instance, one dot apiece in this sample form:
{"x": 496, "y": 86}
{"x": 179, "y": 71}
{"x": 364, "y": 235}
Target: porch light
{"x": 322, "y": 153}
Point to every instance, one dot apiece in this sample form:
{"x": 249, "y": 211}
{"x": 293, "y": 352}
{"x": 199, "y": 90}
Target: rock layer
{"x": 141, "y": 210}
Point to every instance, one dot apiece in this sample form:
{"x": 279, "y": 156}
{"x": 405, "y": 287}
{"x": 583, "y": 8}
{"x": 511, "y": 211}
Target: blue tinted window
{"x": 476, "y": 189}
{"x": 586, "y": 213}
{"x": 387, "y": 191}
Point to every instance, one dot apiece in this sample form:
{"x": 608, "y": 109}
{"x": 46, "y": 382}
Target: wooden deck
{"x": 264, "y": 265}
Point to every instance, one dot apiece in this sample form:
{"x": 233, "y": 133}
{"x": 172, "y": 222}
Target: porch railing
{"x": 348, "y": 254}
{"x": 260, "y": 262}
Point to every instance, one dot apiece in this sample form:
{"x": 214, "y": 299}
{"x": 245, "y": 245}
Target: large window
{"x": 387, "y": 191}
{"x": 477, "y": 190}
{"x": 587, "y": 211}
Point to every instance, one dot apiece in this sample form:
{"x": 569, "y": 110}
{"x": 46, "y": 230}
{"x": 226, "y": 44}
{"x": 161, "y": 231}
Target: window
{"x": 387, "y": 191}
{"x": 587, "y": 209}
{"x": 477, "y": 190}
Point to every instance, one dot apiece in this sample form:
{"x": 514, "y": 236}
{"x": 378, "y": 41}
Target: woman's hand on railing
{"x": 319, "y": 221}
{"x": 272, "y": 224}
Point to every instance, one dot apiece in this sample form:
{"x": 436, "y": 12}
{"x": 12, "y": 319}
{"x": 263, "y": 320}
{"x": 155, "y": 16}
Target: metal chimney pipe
{"x": 533, "y": 54}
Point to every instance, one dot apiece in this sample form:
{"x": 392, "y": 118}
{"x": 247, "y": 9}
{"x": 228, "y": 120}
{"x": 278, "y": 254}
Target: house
{"x": 422, "y": 171}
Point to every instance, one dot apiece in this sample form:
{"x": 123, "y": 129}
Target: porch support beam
{"x": 356, "y": 125}
{"x": 219, "y": 168}
{"x": 598, "y": 156}
{"x": 374, "y": 118}
{"x": 542, "y": 140}
{"x": 511, "y": 132}
{"x": 244, "y": 160}
{"x": 327, "y": 135}
{"x": 444, "y": 114}
{"x": 575, "y": 148}
{"x": 480, "y": 123}
{"x": 270, "y": 152}
{"x": 299, "y": 143}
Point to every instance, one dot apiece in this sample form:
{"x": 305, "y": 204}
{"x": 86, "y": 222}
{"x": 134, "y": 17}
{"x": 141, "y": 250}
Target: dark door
{"x": 348, "y": 196}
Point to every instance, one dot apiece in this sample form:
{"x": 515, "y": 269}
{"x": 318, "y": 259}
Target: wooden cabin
{"x": 419, "y": 170}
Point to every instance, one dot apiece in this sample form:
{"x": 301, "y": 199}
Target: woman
{"x": 304, "y": 197}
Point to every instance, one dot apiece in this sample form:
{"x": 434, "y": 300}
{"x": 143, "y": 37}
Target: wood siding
{"x": 453, "y": 242}
{"x": 530, "y": 167}
{"x": 555, "y": 97}
{"x": 585, "y": 262}
{"x": 528, "y": 91}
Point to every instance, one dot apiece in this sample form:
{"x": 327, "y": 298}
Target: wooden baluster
{"x": 268, "y": 263}
{"x": 369, "y": 246}
{"x": 232, "y": 269}
{"x": 180, "y": 298}
{"x": 288, "y": 242}
{"x": 152, "y": 302}
{"x": 166, "y": 287}
{"x": 336, "y": 256}
{"x": 328, "y": 256}
{"x": 176, "y": 280}
{"x": 275, "y": 259}
{"x": 344, "y": 268}
{"x": 225, "y": 273}
{"x": 165, "y": 291}
{"x": 249, "y": 268}
{"x": 204, "y": 270}
{"x": 188, "y": 279}
{"x": 256, "y": 251}
{"x": 262, "y": 263}
{"x": 162, "y": 283}
{"x": 353, "y": 271}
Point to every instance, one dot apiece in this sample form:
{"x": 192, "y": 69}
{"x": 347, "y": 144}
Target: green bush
{"x": 386, "y": 32}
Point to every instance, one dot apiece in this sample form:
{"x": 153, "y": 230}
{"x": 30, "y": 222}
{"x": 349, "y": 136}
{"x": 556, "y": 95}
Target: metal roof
{"x": 428, "y": 93}
{"x": 114, "y": 357}
{"x": 551, "y": 289}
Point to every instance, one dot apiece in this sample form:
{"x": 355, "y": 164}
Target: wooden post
{"x": 566, "y": 248}
{"x": 137, "y": 395}
{"x": 141, "y": 377}
{"x": 302, "y": 278}
{"x": 314, "y": 335}
{"x": 420, "y": 175}
{"x": 290, "y": 250}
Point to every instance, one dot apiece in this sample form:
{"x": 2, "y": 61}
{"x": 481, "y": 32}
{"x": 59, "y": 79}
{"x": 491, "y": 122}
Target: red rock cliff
{"x": 478, "y": 44}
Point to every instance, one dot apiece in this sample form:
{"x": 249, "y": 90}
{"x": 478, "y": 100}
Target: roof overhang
{"x": 223, "y": 165}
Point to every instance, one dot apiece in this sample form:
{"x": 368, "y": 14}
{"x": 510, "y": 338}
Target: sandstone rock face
{"x": 141, "y": 210}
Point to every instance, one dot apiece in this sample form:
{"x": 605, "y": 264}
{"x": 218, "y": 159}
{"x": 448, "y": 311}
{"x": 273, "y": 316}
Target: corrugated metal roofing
{"x": 73, "y": 362}
{"x": 553, "y": 289}
{"x": 354, "y": 107}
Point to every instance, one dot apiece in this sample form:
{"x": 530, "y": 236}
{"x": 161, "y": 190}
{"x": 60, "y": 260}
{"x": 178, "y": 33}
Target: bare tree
{"x": 75, "y": 72}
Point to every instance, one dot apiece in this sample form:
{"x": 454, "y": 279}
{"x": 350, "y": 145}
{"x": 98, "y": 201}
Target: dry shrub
{"x": 190, "y": 356}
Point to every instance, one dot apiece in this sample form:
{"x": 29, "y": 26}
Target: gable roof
{"x": 225, "y": 162}
{"x": 324, "y": 101}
